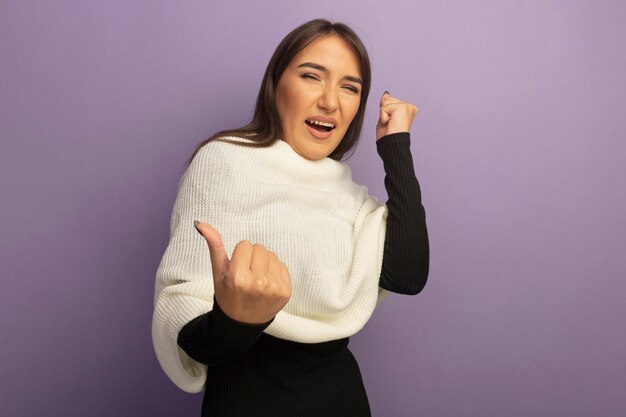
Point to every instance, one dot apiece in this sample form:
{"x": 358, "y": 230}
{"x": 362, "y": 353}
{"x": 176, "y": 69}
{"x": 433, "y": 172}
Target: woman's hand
{"x": 395, "y": 116}
{"x": 252, "y": 287}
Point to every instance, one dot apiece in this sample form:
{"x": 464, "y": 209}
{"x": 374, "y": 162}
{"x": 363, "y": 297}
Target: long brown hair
{"x": 265, "y": 127}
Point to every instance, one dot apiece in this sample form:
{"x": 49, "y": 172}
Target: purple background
{"x": 519, "y": 147}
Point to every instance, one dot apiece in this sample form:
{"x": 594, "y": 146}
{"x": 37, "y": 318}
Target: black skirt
{"x": 278, "y": 378}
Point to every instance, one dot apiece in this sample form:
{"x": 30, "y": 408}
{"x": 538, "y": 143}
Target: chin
{"x": 314, "y": 157}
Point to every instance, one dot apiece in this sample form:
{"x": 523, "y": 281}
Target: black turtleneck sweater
{"x": 251, "y": 373}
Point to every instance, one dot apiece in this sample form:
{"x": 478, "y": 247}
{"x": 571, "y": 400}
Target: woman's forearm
{"x": 406, "y": 253}
{"x": 214, "y": 338}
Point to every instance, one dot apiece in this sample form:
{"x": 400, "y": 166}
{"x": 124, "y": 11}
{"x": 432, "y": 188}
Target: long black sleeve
{"x": 214, "y": 338}
{"x": 406, "y": 253}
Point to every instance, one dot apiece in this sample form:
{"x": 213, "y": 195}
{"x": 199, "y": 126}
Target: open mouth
{"x": 320, "y": 126}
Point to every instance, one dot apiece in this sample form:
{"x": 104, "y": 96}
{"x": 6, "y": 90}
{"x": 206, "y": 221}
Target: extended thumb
{"x": 219, "y": 258}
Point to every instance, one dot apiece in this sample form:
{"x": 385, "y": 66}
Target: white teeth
{"x": 317, "y": 122}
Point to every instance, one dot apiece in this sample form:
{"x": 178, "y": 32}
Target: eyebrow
{"x": 324, "y": 69}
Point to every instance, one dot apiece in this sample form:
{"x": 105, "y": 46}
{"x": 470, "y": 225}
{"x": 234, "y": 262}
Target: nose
{"x": 328, "y": 100}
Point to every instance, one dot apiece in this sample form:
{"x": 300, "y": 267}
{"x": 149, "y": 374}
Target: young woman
{"x": 298, "y": 254}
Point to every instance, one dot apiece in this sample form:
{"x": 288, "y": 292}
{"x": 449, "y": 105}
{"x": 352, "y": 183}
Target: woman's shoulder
{"x": 221, "y": 145}
{"x": 226, "y": 152}
{"x": 214, "y": 157}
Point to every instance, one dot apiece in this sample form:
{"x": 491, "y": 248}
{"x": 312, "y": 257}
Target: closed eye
{"x": 309, "y": 76}
{"x": 351, "y": 88}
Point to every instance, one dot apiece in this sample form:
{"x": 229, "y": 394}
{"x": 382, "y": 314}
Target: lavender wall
{"x": 519, "y": 147}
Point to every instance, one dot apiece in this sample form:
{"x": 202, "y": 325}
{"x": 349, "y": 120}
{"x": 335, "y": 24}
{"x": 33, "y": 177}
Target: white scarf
{"x": 326, "y": 228}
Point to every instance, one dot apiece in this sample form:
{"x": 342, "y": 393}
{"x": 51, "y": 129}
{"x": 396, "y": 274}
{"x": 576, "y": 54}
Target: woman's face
{"x": 323, "y": 81}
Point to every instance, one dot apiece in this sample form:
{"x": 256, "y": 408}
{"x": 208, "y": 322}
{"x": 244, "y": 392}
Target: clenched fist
{"x": 395, "y": 116}
{"x": 253, "y": 286}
